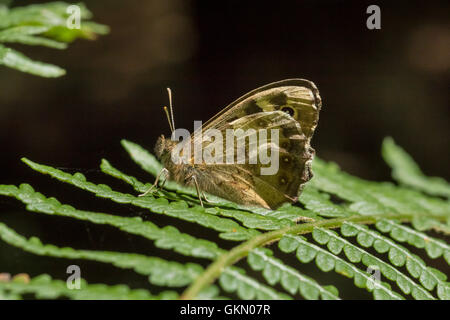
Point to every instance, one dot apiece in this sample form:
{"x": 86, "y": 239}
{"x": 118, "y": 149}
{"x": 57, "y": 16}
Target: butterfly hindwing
{"x": 292, "y": 167}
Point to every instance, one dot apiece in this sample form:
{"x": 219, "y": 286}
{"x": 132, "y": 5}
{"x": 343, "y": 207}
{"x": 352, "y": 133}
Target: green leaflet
{"x": 16, "y": 60}
{"x": 406, "y": 171}
{"x": 26, "y": 35}
{"x": 211, "y": 293}
{"x": 320, "y": 204}
{"x": 234, "y": 280}
{"x": 44, "y": 287}
{"x": 48, "y": 14}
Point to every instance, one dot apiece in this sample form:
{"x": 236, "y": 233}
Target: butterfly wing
{"x": 245, "y": 183}
{"x": 290, "y": 106}
{"x": 298, "y": 97}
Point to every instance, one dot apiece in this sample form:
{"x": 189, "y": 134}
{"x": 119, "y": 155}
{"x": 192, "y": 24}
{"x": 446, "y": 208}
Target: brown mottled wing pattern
{"x": 291, "y": 106}
{"x": 245, "y": 184}
{"x": 300, "y": 94}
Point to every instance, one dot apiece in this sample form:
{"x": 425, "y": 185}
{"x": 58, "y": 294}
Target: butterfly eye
{"x": 288, "y": 110}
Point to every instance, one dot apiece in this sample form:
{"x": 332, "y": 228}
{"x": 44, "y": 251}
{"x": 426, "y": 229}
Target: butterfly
{"x": 291, "y": 107}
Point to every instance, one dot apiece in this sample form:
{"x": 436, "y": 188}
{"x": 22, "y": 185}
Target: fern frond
{"x": 368, "y": 198}
{"x": 159, "y": 271}
{"x": 320, "y": 204}
{"x": 274, "y": 271}
{"x": 435, "y": 248}
{"x": 229, "y": 229}
{"x": 44, "y": 287}
{"x": 327, "y": 261}
{"x": 406, "y": 171}
{"x": 43, "y": 25}
{"x": 399, "y": 256}
{"x": 361, "y": 202}
{"x": 167, "y": 237}
{"x": 355, "y": 254}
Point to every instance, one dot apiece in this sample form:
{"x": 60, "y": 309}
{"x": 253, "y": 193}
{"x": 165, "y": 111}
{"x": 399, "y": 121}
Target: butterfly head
{"x": 163, "y": 147}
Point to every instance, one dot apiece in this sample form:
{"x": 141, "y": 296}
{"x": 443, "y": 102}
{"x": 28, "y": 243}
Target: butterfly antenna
{"x": 169, "y": 92}
{"x": 168, "y": 118}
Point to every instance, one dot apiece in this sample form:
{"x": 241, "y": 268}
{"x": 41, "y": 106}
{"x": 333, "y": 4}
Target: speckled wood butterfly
{"x": 290, "y": 106}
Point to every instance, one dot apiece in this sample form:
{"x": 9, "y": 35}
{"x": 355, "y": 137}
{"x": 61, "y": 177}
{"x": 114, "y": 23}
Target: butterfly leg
{"x": 204, "y": 197}
{"x": 198, "y": 190}
{"x": 155, "y": 185}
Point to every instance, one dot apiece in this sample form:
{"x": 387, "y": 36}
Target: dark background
{"x": 373, "y": 83}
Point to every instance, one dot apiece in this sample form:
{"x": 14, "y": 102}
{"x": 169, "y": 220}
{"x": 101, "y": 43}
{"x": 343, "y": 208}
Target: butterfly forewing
{"x": 299, "y": 95}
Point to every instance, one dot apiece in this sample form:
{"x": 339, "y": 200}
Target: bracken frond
{"x": 342, "y": 223}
